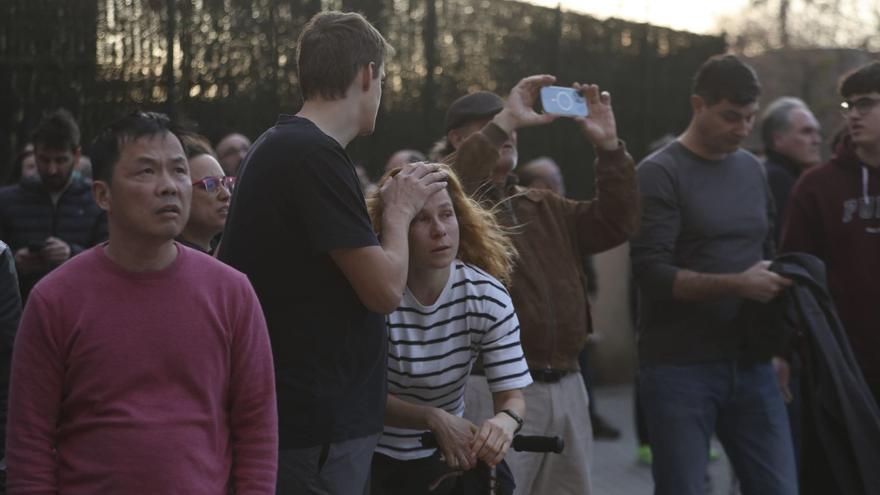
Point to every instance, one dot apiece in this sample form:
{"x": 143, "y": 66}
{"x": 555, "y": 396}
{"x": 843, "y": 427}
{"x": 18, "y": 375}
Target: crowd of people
{"x": 178, "y": 317}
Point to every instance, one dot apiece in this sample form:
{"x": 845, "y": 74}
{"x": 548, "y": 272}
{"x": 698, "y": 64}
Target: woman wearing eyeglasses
{"x": 211, "y": 192}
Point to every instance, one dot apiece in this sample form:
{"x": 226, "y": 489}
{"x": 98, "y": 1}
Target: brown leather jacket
{"x": 553, "y": 235}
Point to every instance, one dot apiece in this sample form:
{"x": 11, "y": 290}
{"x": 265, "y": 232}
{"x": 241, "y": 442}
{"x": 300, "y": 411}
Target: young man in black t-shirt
{"x": 299, "y": 229}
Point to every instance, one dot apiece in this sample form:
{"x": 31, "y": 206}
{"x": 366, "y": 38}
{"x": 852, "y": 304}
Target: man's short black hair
{"x": 57, "y": 131}
{"x": 725, "y": 77}
{"x": 865, "y": 79}
{"x": 106, "y": 147}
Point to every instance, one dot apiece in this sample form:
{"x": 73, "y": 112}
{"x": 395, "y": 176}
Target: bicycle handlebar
{"x": 521, "y": 443}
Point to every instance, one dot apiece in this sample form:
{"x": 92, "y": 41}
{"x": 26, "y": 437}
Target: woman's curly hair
{"x": 483, "y": 242}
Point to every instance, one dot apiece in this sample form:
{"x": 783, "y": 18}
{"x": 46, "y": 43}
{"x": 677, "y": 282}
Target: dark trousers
{"x": 340, "y": 468}
{"x": 390, "y": 476}
{"x": 685, "y": 404}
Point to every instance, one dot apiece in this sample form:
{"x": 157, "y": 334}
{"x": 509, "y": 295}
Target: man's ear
{"x": 454, "y": 138}
{"x": 697, "y": 103}
{"x": 77, "y": 153}
{"x": 367, "y": 76}
{"x": 101, "y": 194}
{"x": 776, "y": 138}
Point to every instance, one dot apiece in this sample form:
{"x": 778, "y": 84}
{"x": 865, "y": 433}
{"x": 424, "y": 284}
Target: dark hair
{"x": 15, "y": 173}
{"x": 106, "y": 147}
{"x": 777, "y": 118}
{"x": 195, "y": 145}
{"x": 332, "y": 49}
{"x": 725, "y": 77}
{"x": 865, "y": 79}
{"x": 57, "y": 131}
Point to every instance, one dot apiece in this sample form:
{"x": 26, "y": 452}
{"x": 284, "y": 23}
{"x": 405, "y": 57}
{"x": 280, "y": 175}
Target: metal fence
{"x": 233, "y": 66}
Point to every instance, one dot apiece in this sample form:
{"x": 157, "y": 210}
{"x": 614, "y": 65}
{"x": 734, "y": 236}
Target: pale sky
{"x": 699, "y": 16}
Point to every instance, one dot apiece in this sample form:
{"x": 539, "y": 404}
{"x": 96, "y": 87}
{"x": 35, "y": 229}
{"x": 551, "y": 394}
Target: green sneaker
{"x": 644, "y": 455}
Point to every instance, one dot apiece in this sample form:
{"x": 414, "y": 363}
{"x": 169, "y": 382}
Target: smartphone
{"x": 36, "y": 246}
{"x": 563, "y": 101}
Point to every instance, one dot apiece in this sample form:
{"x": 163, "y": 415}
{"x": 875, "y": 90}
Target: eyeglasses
{"x": 212, "y": 184}
{"x": 862, "y": 106}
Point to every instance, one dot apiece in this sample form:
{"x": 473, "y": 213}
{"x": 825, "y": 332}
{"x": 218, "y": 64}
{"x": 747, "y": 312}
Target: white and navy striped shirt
{"x": 431, "y": 350}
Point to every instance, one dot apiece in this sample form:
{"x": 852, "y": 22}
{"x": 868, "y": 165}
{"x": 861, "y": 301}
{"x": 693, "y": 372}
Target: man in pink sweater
{"x": 142, "y": 366}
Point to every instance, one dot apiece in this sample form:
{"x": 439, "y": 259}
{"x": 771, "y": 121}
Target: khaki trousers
{"x": 554, "y": 409}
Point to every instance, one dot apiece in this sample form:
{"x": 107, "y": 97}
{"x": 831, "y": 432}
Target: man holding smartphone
{"x": 552, "y": 236}
{"x": 702, "y": 250}
{"x": 48, "y": 219}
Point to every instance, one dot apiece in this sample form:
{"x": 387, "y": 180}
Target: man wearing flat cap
{"x": 552, "y": 235}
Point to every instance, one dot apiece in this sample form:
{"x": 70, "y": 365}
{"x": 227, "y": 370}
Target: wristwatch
{"x": 516, "y": 417}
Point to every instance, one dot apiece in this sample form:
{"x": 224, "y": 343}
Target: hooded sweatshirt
{"x": 834, "y": 214}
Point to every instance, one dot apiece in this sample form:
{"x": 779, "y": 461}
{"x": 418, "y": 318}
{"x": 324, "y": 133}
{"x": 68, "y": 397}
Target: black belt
{"x": 548, "y": 375}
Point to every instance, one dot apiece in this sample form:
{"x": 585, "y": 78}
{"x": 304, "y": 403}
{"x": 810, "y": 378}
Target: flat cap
{"x": 475, "y": 106}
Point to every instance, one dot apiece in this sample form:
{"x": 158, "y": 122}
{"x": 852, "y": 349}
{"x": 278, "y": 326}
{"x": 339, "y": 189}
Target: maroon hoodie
{"x": 834, "y": 214}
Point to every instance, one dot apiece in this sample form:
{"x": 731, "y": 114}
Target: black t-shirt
{"x": 297, "y": 198}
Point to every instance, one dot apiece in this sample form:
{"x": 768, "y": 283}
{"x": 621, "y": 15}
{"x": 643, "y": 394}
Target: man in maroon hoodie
{"x": 834, "y": 214}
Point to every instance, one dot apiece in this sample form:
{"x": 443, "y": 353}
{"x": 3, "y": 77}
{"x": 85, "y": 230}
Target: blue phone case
{"x": 559, "y": 100}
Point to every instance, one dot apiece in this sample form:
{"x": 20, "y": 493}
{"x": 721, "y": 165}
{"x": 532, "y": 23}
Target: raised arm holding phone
{"x": 552, "y": 236}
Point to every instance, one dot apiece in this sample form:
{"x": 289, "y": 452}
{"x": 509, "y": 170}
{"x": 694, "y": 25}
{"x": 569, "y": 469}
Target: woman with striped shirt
{"x": 454, "y": 311}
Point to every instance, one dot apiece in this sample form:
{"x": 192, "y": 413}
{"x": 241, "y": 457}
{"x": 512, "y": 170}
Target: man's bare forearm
{"x": 696, "y": 286}
{"x": 395, "y": 243}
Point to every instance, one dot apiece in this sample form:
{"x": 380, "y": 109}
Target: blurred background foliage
{"x": 233, "y": 67}
{"x": 804, "y": 24}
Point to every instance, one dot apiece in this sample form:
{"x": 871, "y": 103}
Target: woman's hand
{"x": 454, "y": 437}
{"x": 494, "y": 438}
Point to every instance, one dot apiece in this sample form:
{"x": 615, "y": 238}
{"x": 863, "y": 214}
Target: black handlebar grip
{"x": 522, "y": 443}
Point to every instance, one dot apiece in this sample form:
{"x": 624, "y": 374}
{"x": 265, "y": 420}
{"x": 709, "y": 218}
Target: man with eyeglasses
{"x": 700, "y": 254}
{"x": 834, "y": 214}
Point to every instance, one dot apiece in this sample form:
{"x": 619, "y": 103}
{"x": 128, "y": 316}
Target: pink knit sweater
{"x": 129, "y": 383}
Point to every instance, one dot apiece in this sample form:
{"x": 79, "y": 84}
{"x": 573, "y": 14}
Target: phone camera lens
{"x": 564, "y": 101}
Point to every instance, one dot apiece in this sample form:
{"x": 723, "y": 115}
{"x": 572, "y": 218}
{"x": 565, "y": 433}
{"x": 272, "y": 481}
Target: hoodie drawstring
{"x": 865, "y": 184}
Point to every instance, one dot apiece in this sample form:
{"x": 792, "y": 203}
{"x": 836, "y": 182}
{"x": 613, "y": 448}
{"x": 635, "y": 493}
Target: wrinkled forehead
{"x": 151, "y": 147}
{"x": 800, "y": 117}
